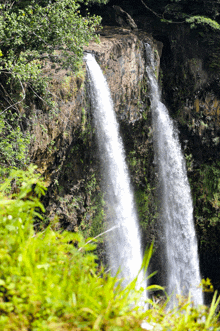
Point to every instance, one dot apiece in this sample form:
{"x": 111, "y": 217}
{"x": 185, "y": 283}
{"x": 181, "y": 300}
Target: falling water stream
{"x": 123, "y": 242}
{"x": 176, "y": 209}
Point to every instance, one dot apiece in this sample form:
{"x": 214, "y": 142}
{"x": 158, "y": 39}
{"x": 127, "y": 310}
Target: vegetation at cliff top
{"x": 50, "y": 280}
{"x": 31, "y": 32}
{"x": 198, "y": 11}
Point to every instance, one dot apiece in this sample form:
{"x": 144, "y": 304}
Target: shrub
{"x": 50, "y": 280}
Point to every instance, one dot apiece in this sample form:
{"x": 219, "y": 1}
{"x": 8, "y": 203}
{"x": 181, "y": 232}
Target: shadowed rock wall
{"x": 65, "y": 145}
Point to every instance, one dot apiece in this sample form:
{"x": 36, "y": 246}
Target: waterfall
{"x": 176, "y": 209}
{"x": 123, "y": 242}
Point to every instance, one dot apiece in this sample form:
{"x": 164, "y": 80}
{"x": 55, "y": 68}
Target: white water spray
{"x": 183, "y": 275}
{"x": 123, "y": 243}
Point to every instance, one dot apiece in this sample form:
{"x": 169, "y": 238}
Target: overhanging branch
{"x": 148, "y": 8}
{"x": 160, "y": 16}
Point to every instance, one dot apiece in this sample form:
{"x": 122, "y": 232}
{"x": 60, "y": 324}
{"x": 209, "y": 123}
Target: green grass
{"x": 50, "y": 280}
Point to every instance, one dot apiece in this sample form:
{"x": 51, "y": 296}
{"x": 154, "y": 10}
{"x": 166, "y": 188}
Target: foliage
{"x": 207, "y": 285}
{"x": 147, "y": 212}
{"x": 93, "y": 221}
{"x": 205, "y": 184}
{"x": 32, "y": 32}
{"x": 50, "y": 280}
{"x": 185, "y": 316}
{"x": 201, "y": 20}
{"x": 13, "y": 142}
{"x": 207, "y": 189}
{"x": 189, "y": 11}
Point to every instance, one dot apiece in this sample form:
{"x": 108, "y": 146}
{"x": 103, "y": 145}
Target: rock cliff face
{"x": 65, "y": 145}
{"x": 121, "y": 55}
{"x": 191, "y": 90}
{"x": 190, "y": 87}
{"x": 190, "y": 75}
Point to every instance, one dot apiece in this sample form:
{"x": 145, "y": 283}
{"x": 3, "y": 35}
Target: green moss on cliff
{"x": 205, "y": 183}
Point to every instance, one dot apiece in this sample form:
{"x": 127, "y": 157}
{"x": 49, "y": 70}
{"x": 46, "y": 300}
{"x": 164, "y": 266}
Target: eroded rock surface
{"x": 65, "y": 144}
{"x": 121, "y": 55}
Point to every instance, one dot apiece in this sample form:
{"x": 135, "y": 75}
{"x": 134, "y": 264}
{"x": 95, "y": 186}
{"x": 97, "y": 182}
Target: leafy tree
{"x": 30, "y": 32}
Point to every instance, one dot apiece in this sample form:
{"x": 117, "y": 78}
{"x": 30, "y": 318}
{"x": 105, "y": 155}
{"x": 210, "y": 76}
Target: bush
{"x": 13, "y": 142}
{"x": 51, "y": 281}
{"x": 32, "y": 32}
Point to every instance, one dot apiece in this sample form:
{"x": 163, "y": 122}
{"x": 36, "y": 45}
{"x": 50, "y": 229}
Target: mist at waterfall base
{"x": 123, "y": 242}
{"x": 176, "y": 209}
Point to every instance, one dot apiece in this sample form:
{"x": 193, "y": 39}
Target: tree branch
{"x": 16, "y": 103}
{"x": 159, "y": 16}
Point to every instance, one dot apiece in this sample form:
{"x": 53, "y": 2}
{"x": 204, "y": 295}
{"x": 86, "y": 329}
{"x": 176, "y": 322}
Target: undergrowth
{"x": 50, "y": 280}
